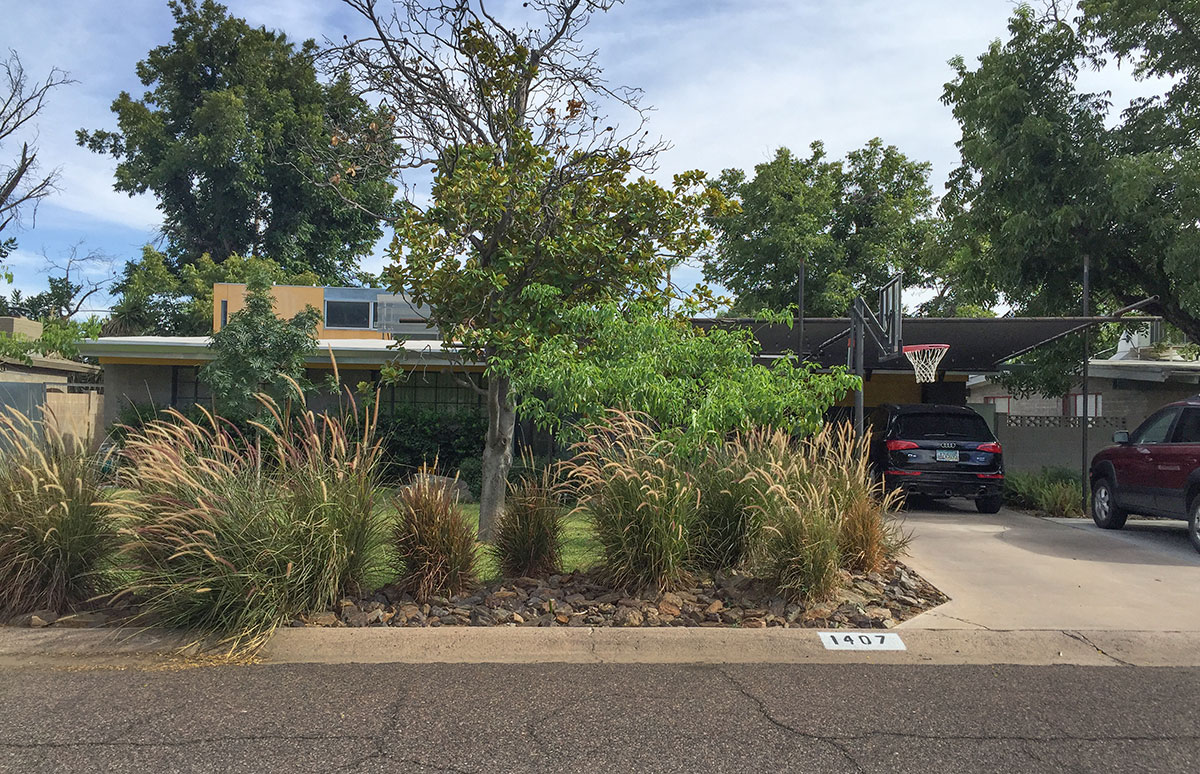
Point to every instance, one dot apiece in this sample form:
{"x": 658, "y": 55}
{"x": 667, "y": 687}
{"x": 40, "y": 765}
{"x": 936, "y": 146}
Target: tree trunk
{"x": 497, "y": 455}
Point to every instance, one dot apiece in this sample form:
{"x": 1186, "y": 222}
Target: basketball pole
{"x": 1083, "y": 419}
{"x": 859, "y": 333}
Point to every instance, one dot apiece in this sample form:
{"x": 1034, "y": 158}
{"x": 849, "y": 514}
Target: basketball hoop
{"x": 925, "y": 359}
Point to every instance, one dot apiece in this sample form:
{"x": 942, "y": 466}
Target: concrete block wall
{"x": 126, "y": 384}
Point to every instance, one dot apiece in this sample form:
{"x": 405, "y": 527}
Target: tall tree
{"x": 1047, "y": 177}
{"x": 848, "y": 223}
{"x": 225, "y": 137}
{"x": 534, "y": 188}
{"x": 22, "y": 183}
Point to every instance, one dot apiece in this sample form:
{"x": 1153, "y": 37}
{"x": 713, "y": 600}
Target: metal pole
{"x": 800, "y": 318}
{"x": 1083, "y": 419}
{"x": 859, "y": 334}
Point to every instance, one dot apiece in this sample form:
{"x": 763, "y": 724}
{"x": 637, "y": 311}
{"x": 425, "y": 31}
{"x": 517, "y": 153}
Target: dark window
{"x": 224, "y": 314}
{"x": 186, "y": 388}
{"x": 965, "y": 427}
{"x": 430, "y": 389}
{"x": 1155, "y": 429}
{"x": 1188, "y": 429}
{"x": 347, "y": 314}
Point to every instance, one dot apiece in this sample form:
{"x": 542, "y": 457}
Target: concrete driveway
{"x": 1017, "y": 571}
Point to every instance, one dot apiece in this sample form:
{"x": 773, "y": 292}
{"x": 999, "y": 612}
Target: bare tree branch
{"x": 21, "y": 186}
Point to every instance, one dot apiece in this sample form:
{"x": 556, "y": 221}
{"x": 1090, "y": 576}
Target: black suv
{"x": 938, "y": 451}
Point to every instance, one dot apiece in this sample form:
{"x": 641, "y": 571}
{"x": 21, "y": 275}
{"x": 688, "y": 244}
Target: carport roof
{"x": 977, "y": 344}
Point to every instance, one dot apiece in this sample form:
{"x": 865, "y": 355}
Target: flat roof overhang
{"x": 977, "y": 344}
{"x": 168, "y": 350}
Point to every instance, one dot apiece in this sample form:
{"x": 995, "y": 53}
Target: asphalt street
{"x": 601, "y": 718}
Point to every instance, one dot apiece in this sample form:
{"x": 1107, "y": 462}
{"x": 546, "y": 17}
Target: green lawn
{"x": 580, "y": 549}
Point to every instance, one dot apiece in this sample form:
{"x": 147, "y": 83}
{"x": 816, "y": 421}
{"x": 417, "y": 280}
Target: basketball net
{"x": 925, "y": 359}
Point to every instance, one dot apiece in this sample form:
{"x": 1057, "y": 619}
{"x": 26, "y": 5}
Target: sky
{"x": 730, "y": 81}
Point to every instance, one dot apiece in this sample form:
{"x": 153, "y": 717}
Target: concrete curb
{"x": 101, "y": 648}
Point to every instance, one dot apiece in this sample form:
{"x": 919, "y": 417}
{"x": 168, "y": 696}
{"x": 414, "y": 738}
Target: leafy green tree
{"x": 225, "y": 137}
{"x": 1047, "y": 177}
{"x": 153, "y": 299}
{"x": 699, "y": 384}
{"x": 258, "y": 352}
{"x": 848, "y": 223}
{"x": 533, "y": 190}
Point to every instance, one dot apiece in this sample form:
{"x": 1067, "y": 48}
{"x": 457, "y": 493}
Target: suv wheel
{"x": 1194, "y": 523}
{"x": 990, "y": 504}
{"x": 1105, "y": 511}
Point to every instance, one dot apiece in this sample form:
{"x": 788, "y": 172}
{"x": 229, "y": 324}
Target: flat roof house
{"x": 358, "y": 330}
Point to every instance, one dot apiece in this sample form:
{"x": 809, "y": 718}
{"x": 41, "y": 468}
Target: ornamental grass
{"x": 433, "y": 541}
{"x": 529, "y": 534}
{"x": 233, "y": 534}
{"x": 58, "y": 539}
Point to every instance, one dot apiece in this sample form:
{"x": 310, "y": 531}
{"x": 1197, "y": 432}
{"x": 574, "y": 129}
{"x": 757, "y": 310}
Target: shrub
{"x": 233, "y": 537}
{"x": 1059, "y": 499}
{"x": 1054, "y": 491}
{"x": 414, "y": 435}
{"x": 642, "y": 509}
{"x": 868, "y": 533}
{"x": 470, "y": 472}
{"x": 57, "y": 537}
{"x": 435, "y": 545}
{"x": 529, "y": 534}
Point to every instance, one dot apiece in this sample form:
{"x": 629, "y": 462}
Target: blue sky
{"x": 730, "y": 81}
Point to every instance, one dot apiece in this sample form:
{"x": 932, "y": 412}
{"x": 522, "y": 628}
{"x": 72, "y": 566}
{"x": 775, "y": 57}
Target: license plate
{"x": 947, "y": 455}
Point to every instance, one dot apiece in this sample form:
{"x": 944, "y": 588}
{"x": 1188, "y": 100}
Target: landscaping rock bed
{"x": 877, "y": 600}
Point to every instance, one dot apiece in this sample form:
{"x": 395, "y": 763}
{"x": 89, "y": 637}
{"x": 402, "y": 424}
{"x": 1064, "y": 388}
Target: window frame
{"x": 1072, "y": 405}
{"x": 370, "y": 315}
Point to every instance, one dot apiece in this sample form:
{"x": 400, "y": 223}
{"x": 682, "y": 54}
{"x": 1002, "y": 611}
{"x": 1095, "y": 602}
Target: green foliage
{"x": 433, "y": 540}
{"x": 586, "y": 232}
{"x": 57, "y": 539}
{"x": 851, "y": 223}
{"x": 231, "y": 541}
{"x": 59, "y": 338}
{"x": 226, "y": 138}
{"x": 530, "y": 532}
{"x": 1055, "y": 491}
{"x": 701, "y": 384}
{"x": 414, "y": 435}
{"x": 259, "y": 353}
{"x": 1048, "y": 176}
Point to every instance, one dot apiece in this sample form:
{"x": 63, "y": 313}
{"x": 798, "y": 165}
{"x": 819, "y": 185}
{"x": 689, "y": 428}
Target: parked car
{"x": 1153, "y": 471}
{"x": 938, "y": 451}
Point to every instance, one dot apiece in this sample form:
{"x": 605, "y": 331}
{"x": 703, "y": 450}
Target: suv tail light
{"x": 994, "y": 448}
{"x": 898, "y": 445}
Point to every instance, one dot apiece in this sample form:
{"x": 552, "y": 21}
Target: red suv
{"x": 1154, "y": 471}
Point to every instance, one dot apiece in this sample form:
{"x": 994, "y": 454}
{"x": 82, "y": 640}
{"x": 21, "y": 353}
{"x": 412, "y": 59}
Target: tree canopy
{"x": 226, "y": 137}
{"x": 1048, "y": 176}
{"x": 535, "y": 190}
{"x": 695, "y": 383}
{"x": 850, "y": 222}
